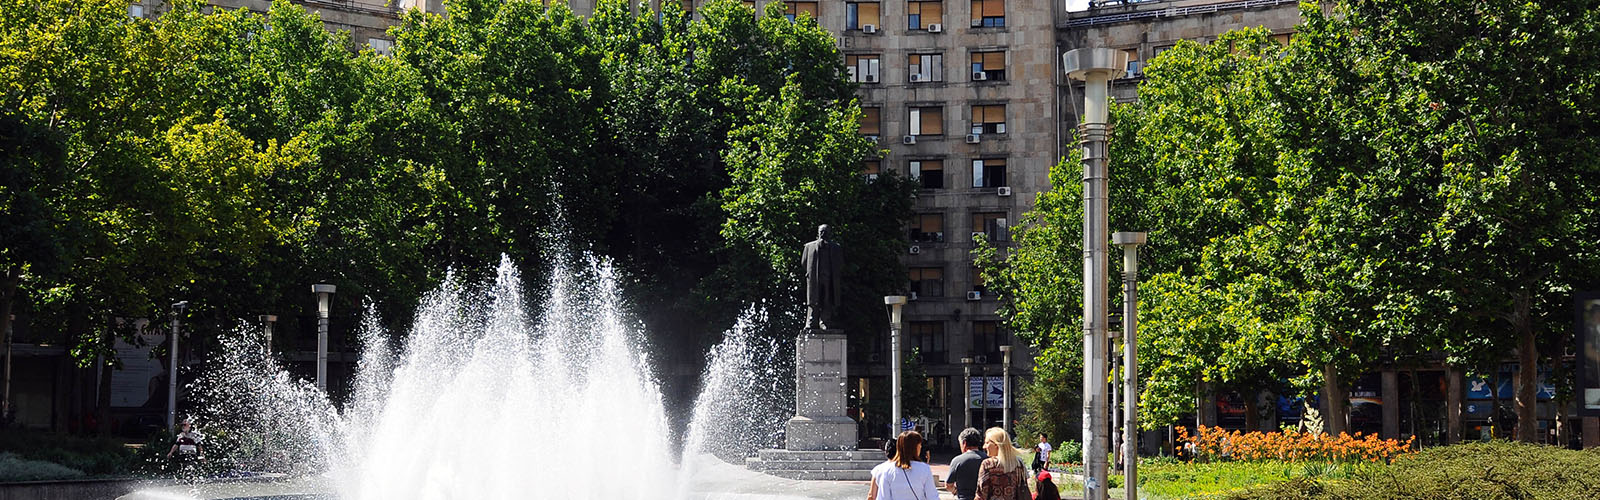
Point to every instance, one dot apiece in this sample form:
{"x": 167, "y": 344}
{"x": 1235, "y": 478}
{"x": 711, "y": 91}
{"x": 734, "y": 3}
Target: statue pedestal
{"x": 820, "y": 440}
{"x": 820, "y": 423}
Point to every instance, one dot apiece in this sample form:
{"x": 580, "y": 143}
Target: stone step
{"x": 761, "y": 465}
{"x": 776, "y": 455}
{"x": 827, "y": 475}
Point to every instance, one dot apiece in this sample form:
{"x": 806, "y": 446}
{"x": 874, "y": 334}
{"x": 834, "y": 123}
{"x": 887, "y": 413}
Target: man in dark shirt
{"x": 963, "y": 476}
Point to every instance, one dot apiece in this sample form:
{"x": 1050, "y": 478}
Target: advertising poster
{"x": 991, "y": 388}
{"x": 1589, "y": 354}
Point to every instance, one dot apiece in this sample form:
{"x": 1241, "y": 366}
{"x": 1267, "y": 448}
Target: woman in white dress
{"x": 904, "y": 477}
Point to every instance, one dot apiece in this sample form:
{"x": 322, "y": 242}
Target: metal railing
{"x": 1170, "y": 12}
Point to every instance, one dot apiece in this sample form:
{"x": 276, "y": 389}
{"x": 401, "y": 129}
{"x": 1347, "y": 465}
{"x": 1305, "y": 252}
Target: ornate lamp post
{"x": 1130, "y": 241}
{"x": 966, "y": 375}
{"x": 323, "y": 291}
{"x": 1005, "y": 388}
{"x": 1094, "y": 66}
{"x": 172, "y": 367}
{"x": 266, "y": 325}
{"x": 895, "y": 302}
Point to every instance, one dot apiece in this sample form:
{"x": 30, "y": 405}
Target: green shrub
{"x": 15, "y": 468}
{"x": 1480, "y": 471}
{"x": 1067, "y": 452}
{"x": 92, "y": 456}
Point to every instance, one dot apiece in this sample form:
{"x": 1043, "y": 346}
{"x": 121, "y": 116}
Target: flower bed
{"x": 1215, "y": 443}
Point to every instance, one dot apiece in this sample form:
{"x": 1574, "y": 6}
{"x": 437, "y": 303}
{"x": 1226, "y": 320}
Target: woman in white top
{"x": 904, "y": 478}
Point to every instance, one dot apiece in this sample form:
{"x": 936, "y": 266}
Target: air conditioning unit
{"x": 978, "y": 76}
{"x": 872, "y": 138}
{"x": 874, "y": 358}
{"x": 135, "y": 11}
{"x": 869, "y": 29}
{"x": 1004, "y": 191}
{"x": 913, "y": 296}
{"x": 974, "y": 295}
{"x": 872, "y": 78}
{"x": 980, "y": 359}
{"x": 972, "y": 138}
{"x": 977, "y": 23}
{"x": 999, "y": 128}
{"x": 1131, "y": 74}
{"x": 935, "y": 28}
{"x": 915, "y": 250}
{"x": 916, "y": 77}
{"x": 910, "y": 139}
{"x": 976, "y": 234}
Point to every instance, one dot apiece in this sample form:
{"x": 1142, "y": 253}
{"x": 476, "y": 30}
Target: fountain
{"x": 486, "y": 400}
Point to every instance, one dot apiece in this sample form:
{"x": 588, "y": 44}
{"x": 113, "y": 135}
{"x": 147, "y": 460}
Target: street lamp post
{"x": 172, "y": 367}
{"x": 5, "y": 397}
{"x": 984, "y": 392}
{"x": 895, "y": 302}
{"x": 323, "y": 291}
{"x": 1094, "y": 66}
{"x": 1005, "y": 388}
{"x": 266, "y": 326}
{"x": 966, "y": 410}
{"x": 1130, "y": 241}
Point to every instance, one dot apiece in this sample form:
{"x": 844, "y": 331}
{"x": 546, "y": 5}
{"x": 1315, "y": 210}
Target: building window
{"x": 939, "y": 392}
{"x": 750, "y": 4}
{"x": 1135, "y": 66}
{"x": 927, "y": 228}
{"x": 988, "y": 173}
{"x": 927, "y": 337}
{"x": 988, "y": 13}
{"x": 870, "y": 121}
{"x": 991, "y": 224}
{"x": 858, "y": 14}
{"x": 927, "y": 121}
{"x": 1283, "y": 38}
{"x": 930, "y": 173}
{"x": 989, "y": 119}
{"x": 871, "y": 169}
{"x": 987, "y": 337}
{"x": 863, "y": 68}
{"x": 792, "y": 10}
{"x": 977, "y": 277}
{"x": 380, "y": 46}
{"x": 921, "y": 14}
{"x": 991, "y": 65}
{"x": 927, "y": 281}
{"x": 688, "y": 6}
{"x": 925, "y": 67}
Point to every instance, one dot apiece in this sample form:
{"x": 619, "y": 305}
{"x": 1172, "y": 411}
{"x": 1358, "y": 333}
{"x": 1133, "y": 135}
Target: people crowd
{"x": 988, "y": 468}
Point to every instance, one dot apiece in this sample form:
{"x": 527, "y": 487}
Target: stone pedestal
{"x": 820, "y": 440}
{"x": 819, "y": 423}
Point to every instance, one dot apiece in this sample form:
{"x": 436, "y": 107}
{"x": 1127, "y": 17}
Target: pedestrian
{"x": 962, "y": 479}
{"x": 1046, "y": 489}
{"x": 1002, "y": 475}
{"x": 927, "y": 450}
{"x": 904, "y": 477}
{"x": 1041, "y": 455}
{"x": 186, "y": 448}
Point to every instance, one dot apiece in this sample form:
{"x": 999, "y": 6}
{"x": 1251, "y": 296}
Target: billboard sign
{"x": 1588, "y": 380}
{"x": 990, "y": 388}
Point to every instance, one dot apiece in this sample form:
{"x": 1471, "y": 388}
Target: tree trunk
{"x": 1452, "y": 405}
{"x": 1527, "y": 373}
{"x": 1252, "y": 421}
{"x": 1334, "y": 401}
{"x": 103, "y": 404}
{"x": 8, "y": 290}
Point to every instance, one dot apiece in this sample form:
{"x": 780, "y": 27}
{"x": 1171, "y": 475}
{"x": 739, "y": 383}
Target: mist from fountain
{"x": 486, "y": 400}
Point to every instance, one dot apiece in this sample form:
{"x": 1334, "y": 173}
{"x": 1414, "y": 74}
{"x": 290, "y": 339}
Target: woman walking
{"x": 904, "y": 477}
{"x": 1001, "y": 476}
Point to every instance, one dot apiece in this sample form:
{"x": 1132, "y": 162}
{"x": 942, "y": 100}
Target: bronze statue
{"x": 824, "y": 262}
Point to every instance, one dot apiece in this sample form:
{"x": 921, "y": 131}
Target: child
{"x": 1041, "y": 456}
